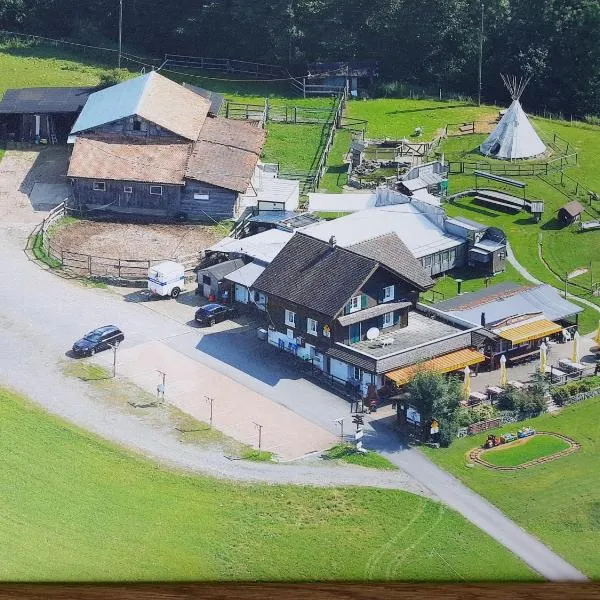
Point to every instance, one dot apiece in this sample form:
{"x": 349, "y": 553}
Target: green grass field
{"x": 518, "y": 453}
{"x": 559, "y": 502}
{"x": 77, "y": 508}
{"x": 348, "y": 453}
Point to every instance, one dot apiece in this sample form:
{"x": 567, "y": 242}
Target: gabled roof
{"x": 391, "y": 252}
{"x": 263, "y": 246}
{"x": 151, "y": 97}
{"x": 572, "y": 208}
{"x": 44, "y": 100}
{"x": 226, "y": 154}
{"x": 311, "y": 273}
{"x": 505, "y": 300}
{"x": 129, "y": 159}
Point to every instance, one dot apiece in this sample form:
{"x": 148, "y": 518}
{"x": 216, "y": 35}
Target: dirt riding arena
{"x": 134, "y": 241}
{"x": 124, "y": 251}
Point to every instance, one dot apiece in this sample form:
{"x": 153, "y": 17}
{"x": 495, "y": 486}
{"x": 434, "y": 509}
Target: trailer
{"x": 166, "y": 279}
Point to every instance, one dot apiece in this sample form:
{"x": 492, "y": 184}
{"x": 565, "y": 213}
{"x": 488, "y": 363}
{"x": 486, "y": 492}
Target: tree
{"x": 437, "y": 397}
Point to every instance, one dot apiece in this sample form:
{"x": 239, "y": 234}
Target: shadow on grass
{"x": 478, "y": 209}
{"x": 554, "y": 225}
{"x": 430, "y": 109}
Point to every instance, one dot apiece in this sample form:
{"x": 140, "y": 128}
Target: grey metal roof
{"x": 42, "y": 100}
{"x": 286, "y": 218}
{"x": 499, "y": 304}
{"x": 219, "y": 270}
{"x": 216, "y": 100}
{"x": 374, "y": 311}
{"x": 391, "y": 252}
{"x": 466, "y": 223}
{"x": 246, "y": 275}
{"x": 315, "y": 275}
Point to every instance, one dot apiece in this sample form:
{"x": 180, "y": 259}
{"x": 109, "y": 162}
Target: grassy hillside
{"x": 78, "y": 508}
{"x": 560, "y": 501}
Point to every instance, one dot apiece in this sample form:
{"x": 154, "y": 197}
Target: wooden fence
{"x": 513, "y": 169}
{"x": 87, "y": 265}
{"x": 225, "y": 65}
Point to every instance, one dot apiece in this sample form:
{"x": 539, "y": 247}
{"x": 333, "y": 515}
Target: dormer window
{"x": 388, "y": 293}
{"x": 354, "y": 304}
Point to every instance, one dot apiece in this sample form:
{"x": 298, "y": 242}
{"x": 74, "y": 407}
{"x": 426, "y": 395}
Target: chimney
{"x": 483, "y": 319}
{"x": 332, "y": 242}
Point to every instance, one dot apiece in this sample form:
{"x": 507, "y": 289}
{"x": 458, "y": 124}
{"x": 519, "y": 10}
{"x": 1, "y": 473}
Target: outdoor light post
{"x": 120, "y": 31}
{"x": 340, "y": 422}
{"x": 160, "y": 388}
{"x": 210, "y": 401}
{"x": 114, "y": 349}
{"x": 259, "y": 427}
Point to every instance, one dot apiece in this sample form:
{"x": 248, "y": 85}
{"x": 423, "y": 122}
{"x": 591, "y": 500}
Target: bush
{"x": 483, "y": 412}
{"x": 112, "y": 77}
{"x": 561, "y": 394}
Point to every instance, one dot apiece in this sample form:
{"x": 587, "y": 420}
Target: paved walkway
{"x": 527, "y": 275}
{"x": 236, "y": 408}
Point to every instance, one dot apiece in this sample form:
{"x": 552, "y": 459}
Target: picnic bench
{"x": 555, "y": 375}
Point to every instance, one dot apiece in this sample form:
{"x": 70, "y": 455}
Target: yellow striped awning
{"x": 453, "y": 361}
{"x": 529, "y": 331}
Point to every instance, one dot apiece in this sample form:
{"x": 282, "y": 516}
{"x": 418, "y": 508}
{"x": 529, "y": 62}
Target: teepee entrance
{"x": 514, "y": 137}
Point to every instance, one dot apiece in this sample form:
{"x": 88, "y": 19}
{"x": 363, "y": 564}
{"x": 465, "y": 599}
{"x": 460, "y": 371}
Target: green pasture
{"x": 75, "y": 507}
{"x": 559, "y": 501}
{"x": 518, "y": 453}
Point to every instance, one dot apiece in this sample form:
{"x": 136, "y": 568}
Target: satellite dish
{"x": 372, "y": 333}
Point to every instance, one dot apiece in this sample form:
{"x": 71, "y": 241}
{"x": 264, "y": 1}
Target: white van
{"x": 166, "y": 279}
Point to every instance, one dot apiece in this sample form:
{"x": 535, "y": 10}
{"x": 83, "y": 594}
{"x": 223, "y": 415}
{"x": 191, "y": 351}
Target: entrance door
{"x": 355, "y": 333}
{"x": 241, "y": 294}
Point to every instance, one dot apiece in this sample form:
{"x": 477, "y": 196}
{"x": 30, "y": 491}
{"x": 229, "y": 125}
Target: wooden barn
{"x": 40, "y": 115}
{"x": 149, "y": 147}
{"x": 570, "y": 212}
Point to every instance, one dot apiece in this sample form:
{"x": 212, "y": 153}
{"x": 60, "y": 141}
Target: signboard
{"x": 413, "y": 416}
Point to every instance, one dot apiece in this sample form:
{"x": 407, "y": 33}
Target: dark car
{"x": 209, "y": 314}
{"x": 98, "y": 340}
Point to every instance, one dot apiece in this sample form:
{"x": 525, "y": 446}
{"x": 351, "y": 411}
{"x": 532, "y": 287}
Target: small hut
{"x": 570, "y": 212}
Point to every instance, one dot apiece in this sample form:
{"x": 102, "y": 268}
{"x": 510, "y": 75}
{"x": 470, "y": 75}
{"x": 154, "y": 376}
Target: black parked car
{"x": 209, "y": 314}
{"x": 97, "y": 340}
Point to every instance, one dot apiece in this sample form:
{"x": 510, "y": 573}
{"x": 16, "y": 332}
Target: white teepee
{"x": 514, "y": 137}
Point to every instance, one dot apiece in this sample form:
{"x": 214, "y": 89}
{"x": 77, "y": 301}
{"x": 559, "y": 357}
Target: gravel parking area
{"x": 134, "y": 241}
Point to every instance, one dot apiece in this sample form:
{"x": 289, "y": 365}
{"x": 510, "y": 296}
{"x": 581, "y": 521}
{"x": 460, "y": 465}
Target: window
{"x": 326, "y": 331}
{"x": 206, "y": 279}
{"x": 202, "y": 197}
{"x": 290, "y": 333}
{"x": 156, "y": 190}
{"x": 128, "y": 189}
{"x": 290, "y": 318}
{"x": 501, "y": 255}
{"x": 356, "y": 373}
{"x": 137, "y": 125}
{"x": 388, "y": 319}
{"x": 99, "y": 186}
{"x": 311, "y": 326}
{"x": 354, "y": 304}
{"x": 453, "y": 255}
{"x": 427, "y": 261}
{"x": 446, "y": 256}
{"x": 436, "y": 259}
{"x": 388, "y": 293}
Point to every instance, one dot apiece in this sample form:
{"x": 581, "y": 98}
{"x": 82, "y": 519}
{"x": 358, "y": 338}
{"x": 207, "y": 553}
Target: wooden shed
{"x": 570, "y": 212}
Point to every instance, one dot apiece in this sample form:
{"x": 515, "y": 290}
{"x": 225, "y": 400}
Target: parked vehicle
{"x": 209, "y": 314}
{"x": 97, "y": 340}
{"x": 166, "y": 279}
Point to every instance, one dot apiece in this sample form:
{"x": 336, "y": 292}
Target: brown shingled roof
{"x": 226, "y": 154}
{"x": 391, "y": 252}
{"x": 572, "y": 208}
{"x": 129, "y": 159}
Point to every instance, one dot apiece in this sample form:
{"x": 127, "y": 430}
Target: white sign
{"x": 413, "y": 415}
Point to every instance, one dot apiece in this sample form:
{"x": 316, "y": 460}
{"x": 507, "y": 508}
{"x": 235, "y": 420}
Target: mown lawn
{"x": 559, "y": 501}
{"x": 520, "y": 452}
{"x": 75, "y": 507}
{"x": 348, "y": 453}
{"x": 398, "y": 118}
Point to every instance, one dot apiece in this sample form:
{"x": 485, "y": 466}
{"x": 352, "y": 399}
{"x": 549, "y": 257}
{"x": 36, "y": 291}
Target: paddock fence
{"x": 116, "y": 270}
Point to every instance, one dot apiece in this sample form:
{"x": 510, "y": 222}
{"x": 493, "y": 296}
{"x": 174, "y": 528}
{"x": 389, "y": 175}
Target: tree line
{"x": 429, "y": 43}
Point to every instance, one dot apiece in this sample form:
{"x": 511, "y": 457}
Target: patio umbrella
{"x": 503, "y": 373}
{"x": 467, "y": 382}
{"x": 575, "y": 350}
{"x": 543, "y": 357}
{"x": 597, "y": 336}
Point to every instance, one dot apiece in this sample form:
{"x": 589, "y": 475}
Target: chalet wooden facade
{"x": 354, "y": 313}
{"x": 150, "y": 147}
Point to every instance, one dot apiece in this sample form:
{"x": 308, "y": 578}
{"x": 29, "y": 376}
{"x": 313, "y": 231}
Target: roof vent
{"x": 332, "y": 242}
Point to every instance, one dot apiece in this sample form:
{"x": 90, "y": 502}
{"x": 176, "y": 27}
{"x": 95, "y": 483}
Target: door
{"x": 355, "y": 333}
{"x": 241, "y": 294}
